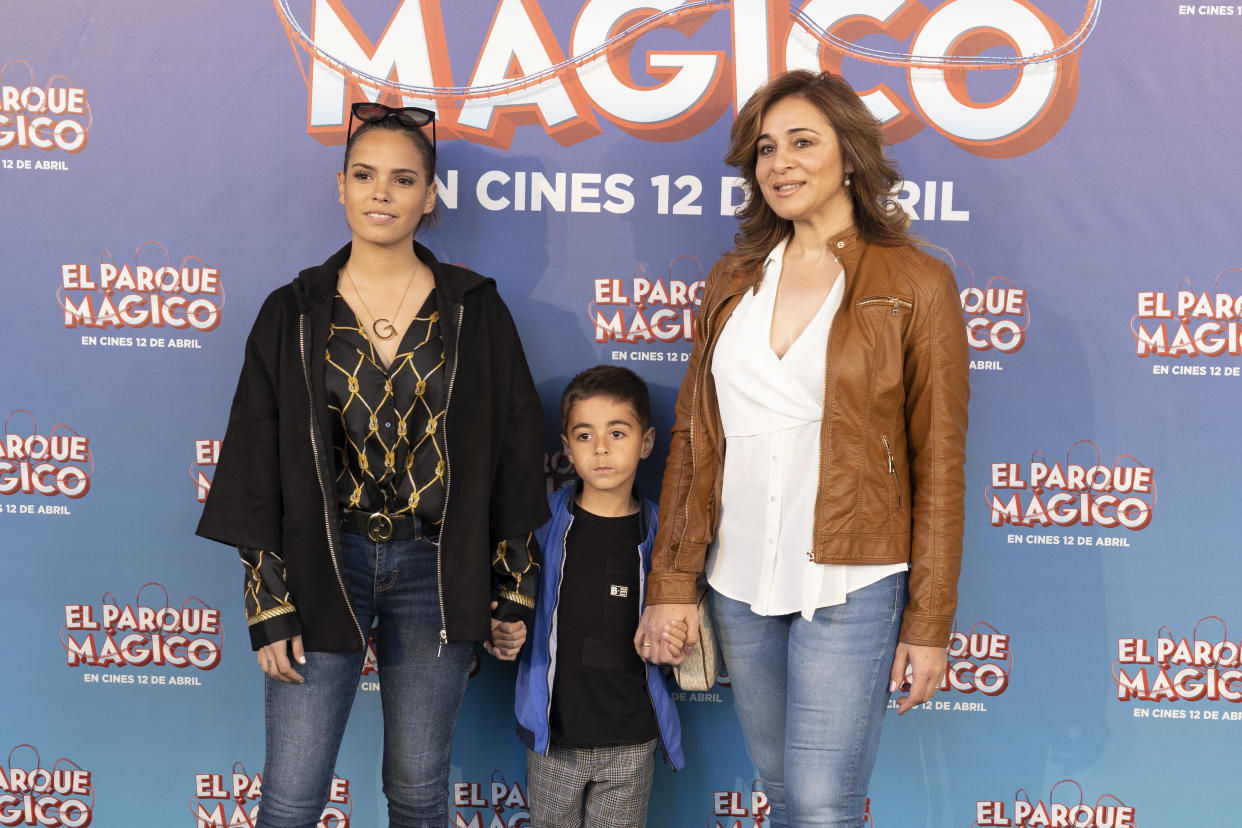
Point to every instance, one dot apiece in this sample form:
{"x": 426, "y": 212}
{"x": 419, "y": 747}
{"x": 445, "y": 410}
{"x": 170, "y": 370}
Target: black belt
{"x": 381, "y": 527}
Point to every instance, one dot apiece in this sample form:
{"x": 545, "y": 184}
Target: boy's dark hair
{"x": 613, "y": 381}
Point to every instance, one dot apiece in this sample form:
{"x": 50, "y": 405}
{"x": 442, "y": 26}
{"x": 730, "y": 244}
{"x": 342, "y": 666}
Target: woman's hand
{"x": 274, "y": 659}
{"x": 667, "y": 632}
{"x": 925, "y": 666}
{"x": 507, "y": 638}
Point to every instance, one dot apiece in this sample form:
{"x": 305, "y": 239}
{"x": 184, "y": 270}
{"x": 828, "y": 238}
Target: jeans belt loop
{"x": 379, "y": 527}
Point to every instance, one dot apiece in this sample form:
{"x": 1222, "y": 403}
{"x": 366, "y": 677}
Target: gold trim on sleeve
{"x": 518, "y": 598}
{"x": 269, "y": 614}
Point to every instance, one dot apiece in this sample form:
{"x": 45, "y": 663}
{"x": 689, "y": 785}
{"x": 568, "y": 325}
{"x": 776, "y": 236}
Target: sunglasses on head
{"x": 414, "y": 117}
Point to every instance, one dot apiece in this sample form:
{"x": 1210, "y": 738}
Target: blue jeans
{"x": 392, "y": 584}
{"x": 811, "y": 697}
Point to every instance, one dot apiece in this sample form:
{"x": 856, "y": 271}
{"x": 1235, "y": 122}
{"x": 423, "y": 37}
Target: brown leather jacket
{"x": 892, "y": 444}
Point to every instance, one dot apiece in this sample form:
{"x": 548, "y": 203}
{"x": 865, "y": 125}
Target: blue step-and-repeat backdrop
{"x": 163, "y": 166}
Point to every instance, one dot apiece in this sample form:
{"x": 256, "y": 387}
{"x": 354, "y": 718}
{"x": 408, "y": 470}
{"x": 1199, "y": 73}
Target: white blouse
{"x": 771, "y": 408}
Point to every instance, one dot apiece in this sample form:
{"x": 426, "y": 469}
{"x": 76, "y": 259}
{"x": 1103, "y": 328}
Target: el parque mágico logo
{"x": 234, "y": 800}
{"x": 522, "y": 75}
{"x": 1178, "y": 669}
{"x": 1060, "y": 810}
{"x": 52, "y": 464}
{"x": 115, "y": 297}
{"x": 1190, "y": 322}
{"x": 649, "y": 310}
{"x": 30, "y": 794}
{"x": 144, "y": 633}
{"x": 492, "y": 804}
{"x": 997, "y": 316}
{"x": 1081, "y": 491}
{"x": 50, "y": 116}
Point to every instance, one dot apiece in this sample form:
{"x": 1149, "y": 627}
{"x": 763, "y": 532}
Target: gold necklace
{"x": 378, "y": 320}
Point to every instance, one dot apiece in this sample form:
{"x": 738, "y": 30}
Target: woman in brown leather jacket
{"x": 824, "y": 334}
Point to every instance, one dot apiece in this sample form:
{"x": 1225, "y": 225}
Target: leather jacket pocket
{"x": 899, "y": 305}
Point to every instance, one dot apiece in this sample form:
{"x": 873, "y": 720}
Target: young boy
{"x": 588, "y": 708}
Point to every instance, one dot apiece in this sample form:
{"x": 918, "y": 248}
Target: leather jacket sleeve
{"x": 270, "y": 615}
{"x": 677, "y": 559}
{"x": 937, "y": 380}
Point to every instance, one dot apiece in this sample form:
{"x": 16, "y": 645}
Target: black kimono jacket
{"x": 273, "y": 487}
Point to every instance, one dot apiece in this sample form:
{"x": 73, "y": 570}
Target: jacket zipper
{"x": 448, "y": 479}
{"x": 552, "y": 633}
{"x": 694, "y": 410}
{"x": 323, "y": 491}
{"x": 896, "y": 301}
{"x": 892, "y": 470}
{"x": 819, "y": 446}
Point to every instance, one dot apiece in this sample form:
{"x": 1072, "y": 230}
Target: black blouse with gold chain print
{"x": 388, "y": 442}
{"x": 387, "y": 435}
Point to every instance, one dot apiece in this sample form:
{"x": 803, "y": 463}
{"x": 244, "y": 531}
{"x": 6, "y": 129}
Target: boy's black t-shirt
{"x": 599, "y": 693}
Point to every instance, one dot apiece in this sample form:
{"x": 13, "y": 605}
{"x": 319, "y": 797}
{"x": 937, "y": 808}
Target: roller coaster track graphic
{"x": 298, "y": 37}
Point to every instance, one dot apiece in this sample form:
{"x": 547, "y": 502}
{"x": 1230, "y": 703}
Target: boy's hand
{"x": 674, "y": 636}
{"x": 507, "y": 638}
{"x": 661, "y": 620}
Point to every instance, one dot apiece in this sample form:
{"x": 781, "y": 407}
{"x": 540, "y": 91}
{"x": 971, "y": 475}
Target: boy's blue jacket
{"x": 533, "y": 699}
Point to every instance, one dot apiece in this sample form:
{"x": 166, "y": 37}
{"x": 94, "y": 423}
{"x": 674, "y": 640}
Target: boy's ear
{"x": 568, "y": 454}
{"x": 648, "y": 442}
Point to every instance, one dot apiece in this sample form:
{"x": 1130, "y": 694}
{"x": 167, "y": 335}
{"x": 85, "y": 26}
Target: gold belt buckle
{"x": 379, "y": 527}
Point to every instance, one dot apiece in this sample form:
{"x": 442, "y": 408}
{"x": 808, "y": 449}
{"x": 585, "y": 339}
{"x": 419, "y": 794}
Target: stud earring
{"x": 848, "y": 179}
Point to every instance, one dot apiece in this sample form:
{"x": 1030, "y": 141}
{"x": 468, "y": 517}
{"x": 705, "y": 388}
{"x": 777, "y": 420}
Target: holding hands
{"x": 667, "y": 632}
{"x": 507, "y": 638}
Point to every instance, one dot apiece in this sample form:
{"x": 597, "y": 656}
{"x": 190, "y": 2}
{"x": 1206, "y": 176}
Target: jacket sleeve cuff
{"x": 274, "y": 625}
{"x": 672, "y": 588}
{"x": 515, "y": 578}
{"x": 513, "y": 606}
{"x": 923, "y": 630}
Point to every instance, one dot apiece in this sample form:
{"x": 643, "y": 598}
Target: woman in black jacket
{"x": 382, "y": 468}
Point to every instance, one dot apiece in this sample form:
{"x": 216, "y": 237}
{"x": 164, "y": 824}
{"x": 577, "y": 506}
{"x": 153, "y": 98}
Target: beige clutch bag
{"x": 699, "y": 669}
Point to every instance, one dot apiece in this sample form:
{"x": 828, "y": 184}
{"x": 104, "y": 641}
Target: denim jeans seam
{"x": 393, "y": 574}
{"x": 378, "y": 555}
{"x": 869, "y": 714}
{"x": 452, "y": 734}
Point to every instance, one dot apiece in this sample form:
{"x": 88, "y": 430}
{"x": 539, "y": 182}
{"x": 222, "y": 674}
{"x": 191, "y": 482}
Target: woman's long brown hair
{"x": 878, "y": 217}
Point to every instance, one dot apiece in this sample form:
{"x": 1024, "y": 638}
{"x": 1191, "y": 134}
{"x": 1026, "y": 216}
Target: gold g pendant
{"x": 383, "y": 328}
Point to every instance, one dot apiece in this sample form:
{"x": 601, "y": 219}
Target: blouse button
{"x": 840, "y": 244}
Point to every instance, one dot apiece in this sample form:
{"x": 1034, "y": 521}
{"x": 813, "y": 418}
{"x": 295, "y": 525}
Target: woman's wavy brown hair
{"x": 878, "y": 217}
